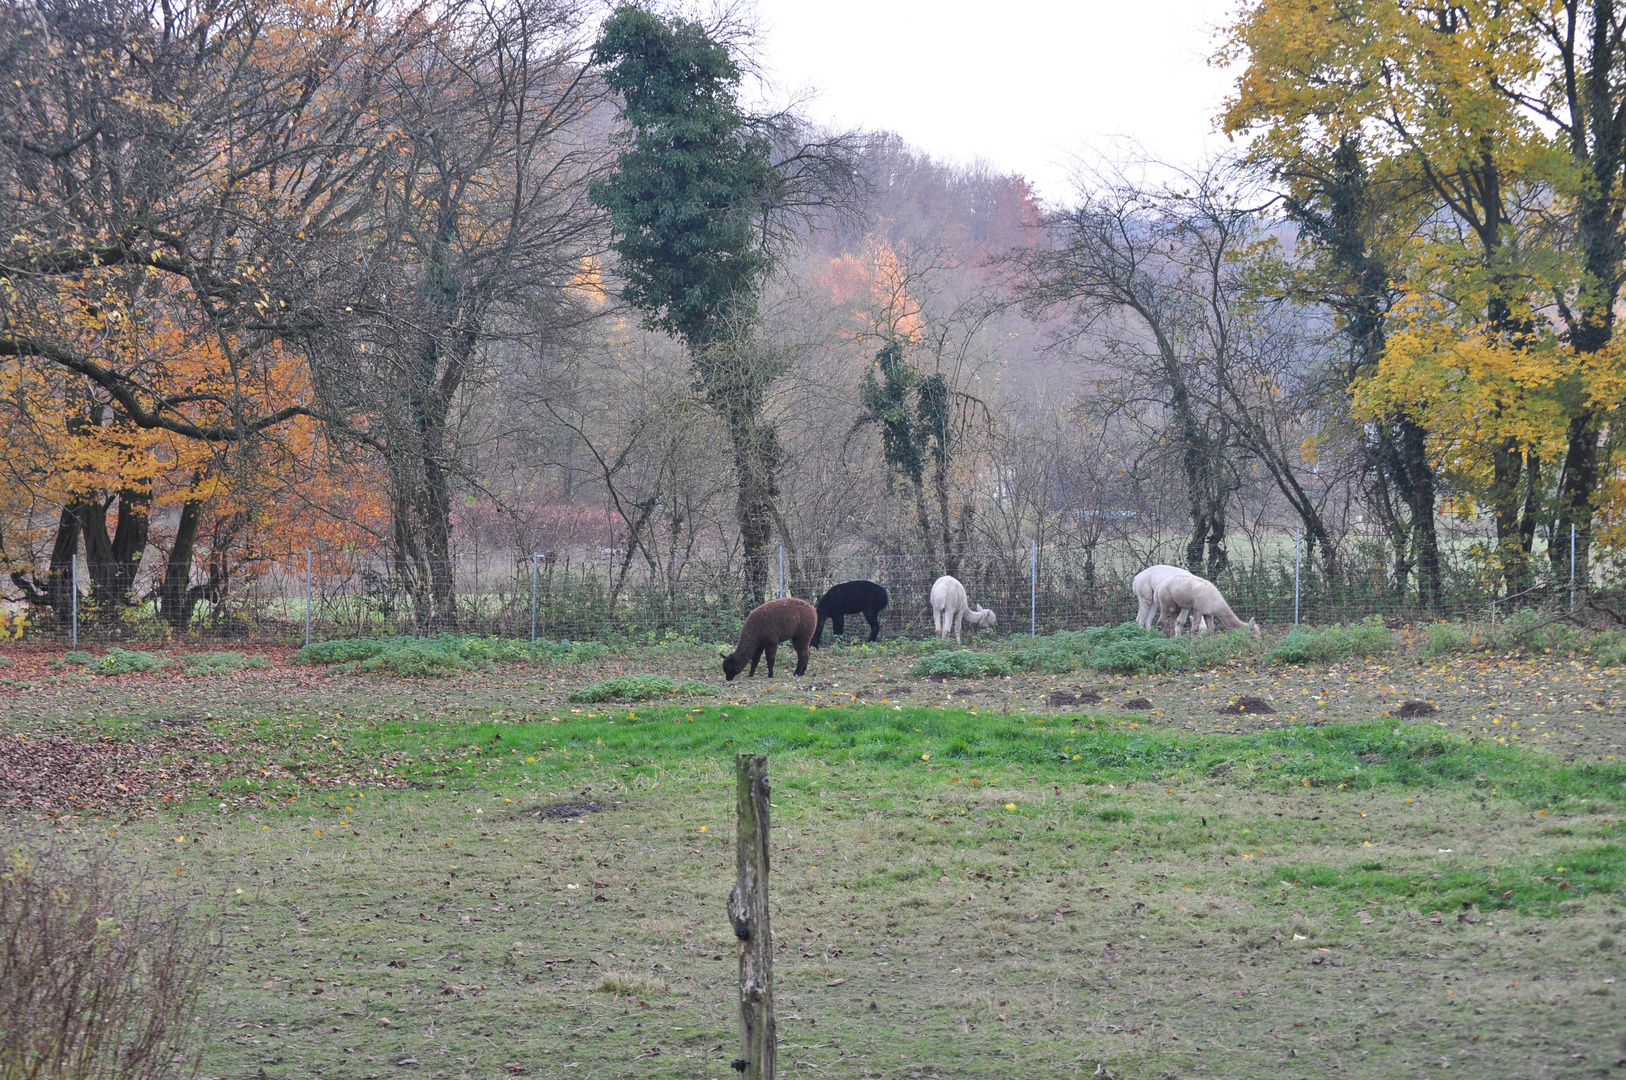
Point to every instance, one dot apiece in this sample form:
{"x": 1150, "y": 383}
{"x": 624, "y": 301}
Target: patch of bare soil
{"x": 1247, "y": 703}
{"x": 1135, "y": 703}
{"x": 1062, "y": 698}
{"x": 1416, "y": 708}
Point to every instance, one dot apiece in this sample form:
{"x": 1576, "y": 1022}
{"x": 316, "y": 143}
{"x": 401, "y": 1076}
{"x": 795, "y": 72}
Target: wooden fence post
{"x": 748, "y": 911}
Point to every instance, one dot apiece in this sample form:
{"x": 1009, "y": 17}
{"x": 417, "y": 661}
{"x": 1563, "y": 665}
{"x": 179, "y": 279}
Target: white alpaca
{"x": 950, "y": 608}
{"x": 1146, "y": 586}
{"x": 1201, "y": 600}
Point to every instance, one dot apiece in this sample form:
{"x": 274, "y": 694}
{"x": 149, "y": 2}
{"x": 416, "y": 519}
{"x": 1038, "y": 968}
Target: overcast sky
{"x": 1026, "y": 85}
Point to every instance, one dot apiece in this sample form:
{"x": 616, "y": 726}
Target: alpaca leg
{"x": 773, "y": 652}
{"x": 1143, "y": 617}
{"x": 838, "y": 624}
{"x": 818, "y": 632}
{"x": 754, "y": 658}
{"x": 958, "y": 616}
{"x": 802, "y": 657}
{"x": 874, "y": 620}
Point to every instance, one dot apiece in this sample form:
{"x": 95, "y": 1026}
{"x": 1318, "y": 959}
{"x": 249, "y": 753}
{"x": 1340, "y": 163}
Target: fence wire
{"x": 602, "y": 595}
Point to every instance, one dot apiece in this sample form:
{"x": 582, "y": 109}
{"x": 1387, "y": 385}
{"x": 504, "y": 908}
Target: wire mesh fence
{"x": 604, "y": 595}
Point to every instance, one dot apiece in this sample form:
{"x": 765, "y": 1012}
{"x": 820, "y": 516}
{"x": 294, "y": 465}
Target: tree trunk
{"x": 924, "y": 517}
{"x": 114, "y": 560}
{"x": 1577, "y": 485}
{"x": 1420, "y": 496}
{"x": 175, "y": 596}
{"x": 55, "y": 591}
{"x": 756, "y": 469}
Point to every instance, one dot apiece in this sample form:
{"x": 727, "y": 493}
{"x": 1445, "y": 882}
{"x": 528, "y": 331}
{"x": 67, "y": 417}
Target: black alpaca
{"x": 851, "y": 598}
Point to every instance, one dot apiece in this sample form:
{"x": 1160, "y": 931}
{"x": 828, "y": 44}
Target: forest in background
{"x": 413, "y": 286}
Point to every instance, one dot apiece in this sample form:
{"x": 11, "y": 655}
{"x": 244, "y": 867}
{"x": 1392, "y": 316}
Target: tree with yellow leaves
{"x": 1497, "y": 134}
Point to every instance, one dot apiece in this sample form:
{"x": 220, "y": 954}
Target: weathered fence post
{"x": 307, "y": 596}
{"x": 748, "y": 911}
{"x": 74, "y": 590}
{"x": 782, "y": 593}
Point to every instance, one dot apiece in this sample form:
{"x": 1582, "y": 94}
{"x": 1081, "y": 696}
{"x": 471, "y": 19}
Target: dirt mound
{"x": 1135, "y": 703}
{"x": 1066, "y": 697}
{"x": 1247, "y": 703}
{"x": 1416, "y": 708}
{"x": 563, "y": 811}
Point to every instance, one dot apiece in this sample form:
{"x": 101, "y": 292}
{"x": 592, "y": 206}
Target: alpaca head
{"x": 980, "y": 617}
{"x": 733, "y": 664}
{"x": 1253, "y": 628}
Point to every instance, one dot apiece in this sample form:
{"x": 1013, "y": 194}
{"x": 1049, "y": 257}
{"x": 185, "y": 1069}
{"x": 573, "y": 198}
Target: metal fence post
{"x": 534, "y": 557}
{"x": 1572, "y": 566}
{"x": 781, "y": 571}
{"x": 307, "y": 596}
{"x": 74, "y": 574}
{"x": 1033, "y": 595}
{"x": 1297, "y": 539}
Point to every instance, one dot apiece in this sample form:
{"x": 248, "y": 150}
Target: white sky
{"x": 1026, "y": 85}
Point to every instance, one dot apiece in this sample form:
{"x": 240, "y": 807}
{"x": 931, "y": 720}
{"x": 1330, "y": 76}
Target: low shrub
{"x": 119, "y": 661}
{"x": 78, "y": 657}
{"x": 1045, "y": 659}
{"x": 694, "y": 688}
{"x": 100, "y": 977}
{"x": 1445, "y": 639}
{"x": 1312, "y": 645}
{"x": 627, "y": 688}
{"x": 220, "y": 663}
{"x": 963, "y": 664}
{"x": 342, "y": 651}
{"x": 1609, "y": 649}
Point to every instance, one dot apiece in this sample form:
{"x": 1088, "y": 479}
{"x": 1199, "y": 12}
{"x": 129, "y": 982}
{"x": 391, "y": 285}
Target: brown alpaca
{"x": 789, "y": 620}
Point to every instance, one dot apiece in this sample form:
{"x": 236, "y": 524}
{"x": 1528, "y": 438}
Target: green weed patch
{"x": 1319, "y": 645}
{"x": 631, "y": 688}
{"x": 220, "y": 663}
{"x": 963, "y": 665}
{"x": 444, "y": 655}
{"x": 117, "y": 661}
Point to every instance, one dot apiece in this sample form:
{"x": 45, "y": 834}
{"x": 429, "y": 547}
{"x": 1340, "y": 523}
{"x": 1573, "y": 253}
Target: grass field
{"x": 476, "y": 877}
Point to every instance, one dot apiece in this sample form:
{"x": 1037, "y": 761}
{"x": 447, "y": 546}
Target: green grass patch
{"x": 1352, "y": 757}
{"x": 1319, "y": 645}
{"x": 1463, "y": 884}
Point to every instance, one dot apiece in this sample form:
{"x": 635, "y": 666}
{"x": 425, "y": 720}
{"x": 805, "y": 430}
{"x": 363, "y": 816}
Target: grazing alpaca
{"x": 851, "y": 598}
{"x": 950, "y": 608}
{"x": 789, "y": 620}
{"x": 1201, "y": 600}
{"x": 1146, "y": 586}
